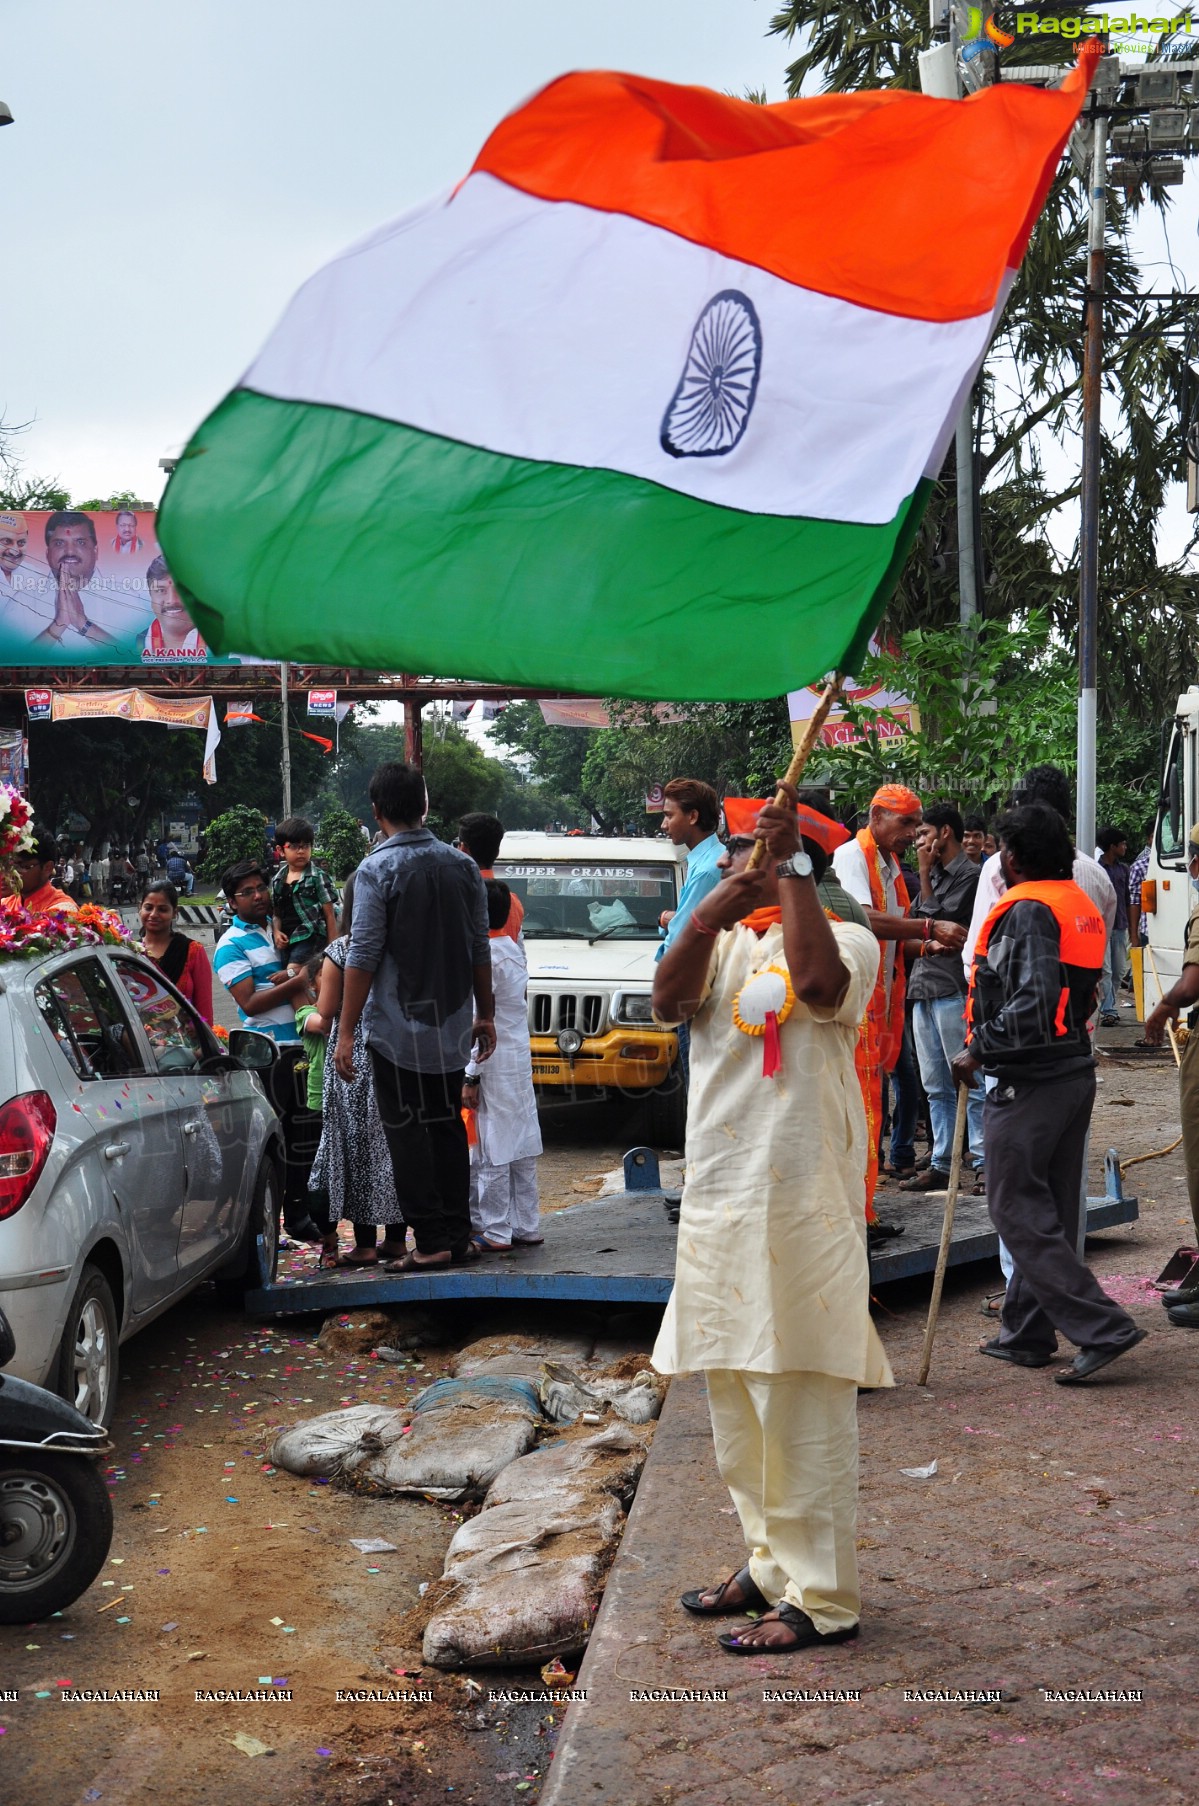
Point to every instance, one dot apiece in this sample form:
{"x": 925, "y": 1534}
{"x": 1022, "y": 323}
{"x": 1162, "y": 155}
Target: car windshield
{"x": 590, "y": 899}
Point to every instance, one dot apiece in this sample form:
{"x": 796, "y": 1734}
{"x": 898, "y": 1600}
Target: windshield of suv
{"x": 586, "y": 899}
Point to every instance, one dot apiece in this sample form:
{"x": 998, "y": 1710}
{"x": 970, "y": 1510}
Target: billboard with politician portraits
{"x": 92, "y": 588}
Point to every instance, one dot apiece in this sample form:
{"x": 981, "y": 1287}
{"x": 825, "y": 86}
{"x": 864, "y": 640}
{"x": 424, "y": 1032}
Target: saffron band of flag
{"x": 650, "y": 406}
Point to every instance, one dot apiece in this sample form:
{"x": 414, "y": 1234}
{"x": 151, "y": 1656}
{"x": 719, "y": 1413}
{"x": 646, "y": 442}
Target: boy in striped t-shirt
{"x": 266, "y": 993}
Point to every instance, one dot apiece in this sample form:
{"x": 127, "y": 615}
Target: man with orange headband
{"x": 771, "y": 1291}
{"x": 868, "y": 867}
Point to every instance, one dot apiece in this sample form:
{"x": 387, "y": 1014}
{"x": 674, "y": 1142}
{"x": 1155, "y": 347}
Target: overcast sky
{"x": 177, "y": 169}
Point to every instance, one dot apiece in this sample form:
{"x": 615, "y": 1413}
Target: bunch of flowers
{"x": 27, "y": 936}
{"x": 222, "y": 1034}
{"x": 16, "y": 824}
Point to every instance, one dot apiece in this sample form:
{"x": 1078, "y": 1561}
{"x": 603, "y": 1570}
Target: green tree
{"x": 341, "y": 845}
{"x": 249, "y": 762}
{"x": 118, "y": 775}
{"x": 1030, "y": 397}
{"x": 991, "y": 704}
{"x": 121, "y": 498}
{"x": 240, "y": 833}
{"x": 460, "y": 778}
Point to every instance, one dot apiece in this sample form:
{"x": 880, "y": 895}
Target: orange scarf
{"x": 762, "y": 919}
{"x": 889, "y": 1021}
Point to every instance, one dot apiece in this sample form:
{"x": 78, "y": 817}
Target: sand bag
{"x": 338, "y": 1441}
{"x": 450, "y": 1443}
{"x": 566, "y": 1395}
{"x": 521, "y": 1354}
{"x": 609, "y": 1462}
{"x": 464, "y": 1432}
{"x": 498, "y": 1541}
{"x": 536, "y": 1608}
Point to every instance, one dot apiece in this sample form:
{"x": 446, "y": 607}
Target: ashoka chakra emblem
{"x": 710, "y": 409}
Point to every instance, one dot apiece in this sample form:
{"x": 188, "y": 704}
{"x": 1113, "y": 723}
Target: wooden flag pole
{"x": 951, "y": 1199}
{"x": 803, "y": 752}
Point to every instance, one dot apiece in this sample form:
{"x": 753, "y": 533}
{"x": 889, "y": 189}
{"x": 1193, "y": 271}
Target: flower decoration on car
{"x": 16, "y": 824}
{"x": 27, "y": 936}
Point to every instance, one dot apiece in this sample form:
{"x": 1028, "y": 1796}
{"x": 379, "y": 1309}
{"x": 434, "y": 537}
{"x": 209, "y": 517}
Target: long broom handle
{"x": 802, "y": 753}
{"x": 951, "y": 1199}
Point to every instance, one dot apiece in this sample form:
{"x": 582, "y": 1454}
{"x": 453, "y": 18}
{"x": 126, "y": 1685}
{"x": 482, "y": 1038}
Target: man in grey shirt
{"x": 419, "y": 976}
{"x": 937, "y": 989}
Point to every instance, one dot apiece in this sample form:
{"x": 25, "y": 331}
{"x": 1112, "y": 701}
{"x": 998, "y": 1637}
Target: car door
{"x": 209, "y": 1111}
{"x": 131, "y": 1118}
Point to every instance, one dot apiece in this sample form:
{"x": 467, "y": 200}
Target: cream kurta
{"x": 771, "y": 1274}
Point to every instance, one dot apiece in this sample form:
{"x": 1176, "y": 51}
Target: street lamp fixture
{"x": 5, "y": 113}
{"x": 1157, "y": 87}
{"x": 1167, "y": 129}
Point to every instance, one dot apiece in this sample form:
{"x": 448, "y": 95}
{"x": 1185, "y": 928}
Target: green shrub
{"x": 239, "y": 833}
{"x": 341, "y": 847}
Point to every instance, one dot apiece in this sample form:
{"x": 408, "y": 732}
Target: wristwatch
{"x": 798, "y": 866}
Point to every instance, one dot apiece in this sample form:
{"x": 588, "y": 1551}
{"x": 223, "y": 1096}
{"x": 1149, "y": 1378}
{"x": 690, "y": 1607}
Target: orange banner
{"x": 136, "y": 705}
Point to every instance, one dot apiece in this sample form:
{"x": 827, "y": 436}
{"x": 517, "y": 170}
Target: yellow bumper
{"x": 635, "y": 1059}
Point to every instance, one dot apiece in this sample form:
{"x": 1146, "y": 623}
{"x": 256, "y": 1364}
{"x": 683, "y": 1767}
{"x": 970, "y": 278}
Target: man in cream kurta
{"x": 771, "y": 1286}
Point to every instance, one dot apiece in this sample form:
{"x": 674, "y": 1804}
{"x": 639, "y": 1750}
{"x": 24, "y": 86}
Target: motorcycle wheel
{"x": 55, "y": 1532}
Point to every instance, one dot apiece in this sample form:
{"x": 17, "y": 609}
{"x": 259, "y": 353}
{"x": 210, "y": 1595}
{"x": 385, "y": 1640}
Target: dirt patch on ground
{"x": 230, "y": 1576}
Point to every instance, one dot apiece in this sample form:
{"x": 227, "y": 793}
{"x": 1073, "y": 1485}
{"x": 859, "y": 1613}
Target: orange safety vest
{"x": 1082, "y": 935}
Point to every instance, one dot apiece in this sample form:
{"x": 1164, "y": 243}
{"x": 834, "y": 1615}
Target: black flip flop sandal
{"x": 752, "y": 1600}
{"x": 805, "y": 1633}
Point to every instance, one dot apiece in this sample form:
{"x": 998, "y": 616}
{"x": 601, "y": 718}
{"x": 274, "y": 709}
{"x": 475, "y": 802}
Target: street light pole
{"x": 1088, "y": 538}
{"x": 967, "y": 557}
{"x": 284, "y": 669}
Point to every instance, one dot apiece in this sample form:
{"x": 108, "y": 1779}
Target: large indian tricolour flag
{"x": 648, "y": 406}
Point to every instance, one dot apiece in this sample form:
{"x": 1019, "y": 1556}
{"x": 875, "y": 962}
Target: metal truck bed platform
{"x": 620, "y": 1250}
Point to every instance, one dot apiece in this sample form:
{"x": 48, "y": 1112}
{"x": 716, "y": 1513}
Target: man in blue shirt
{"x": 690, "y": 817}
{"x": 247, "y": 962}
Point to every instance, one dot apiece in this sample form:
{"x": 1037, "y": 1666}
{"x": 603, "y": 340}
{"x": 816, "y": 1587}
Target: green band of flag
{"x": 369, "y": 543}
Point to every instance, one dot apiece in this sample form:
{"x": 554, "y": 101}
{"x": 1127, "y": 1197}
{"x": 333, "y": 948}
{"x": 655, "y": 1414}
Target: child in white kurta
{"x": 504, "y": 1206}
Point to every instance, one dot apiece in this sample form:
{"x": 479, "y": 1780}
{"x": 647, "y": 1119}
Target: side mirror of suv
{"x": 8, "y": 1342}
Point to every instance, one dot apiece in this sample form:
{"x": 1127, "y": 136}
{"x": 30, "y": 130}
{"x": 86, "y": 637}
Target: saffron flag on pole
{"x": 650, "y": 405}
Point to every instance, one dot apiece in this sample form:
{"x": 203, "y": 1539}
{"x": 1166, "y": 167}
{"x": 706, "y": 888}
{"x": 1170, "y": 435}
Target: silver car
{"x": 137, "y": 1158}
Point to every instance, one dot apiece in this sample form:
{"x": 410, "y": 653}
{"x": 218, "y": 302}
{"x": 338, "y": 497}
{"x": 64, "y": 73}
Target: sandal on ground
{"x": 992, "y": 1306}
{"x": 751, "y": 1600}
{"x": 330, "y": 1257}
{"x": 358, "y": 1257}
{"x": 899, "y": 1172}
{"x": 879, "y": 1231}
{"x": 804, "y": 1635}
{"x": 389, "y": 1250}
{"x": 485, "y": 1245}
{"x": 411, "y": 1263}
{"x": 979, "y": 1188}
{"x": 462, "y": 1257}
{"x": 528, "y": 1241}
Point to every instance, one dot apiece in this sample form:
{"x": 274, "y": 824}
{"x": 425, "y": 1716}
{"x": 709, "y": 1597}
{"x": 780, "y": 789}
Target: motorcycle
{"x": 55, "y": 1512}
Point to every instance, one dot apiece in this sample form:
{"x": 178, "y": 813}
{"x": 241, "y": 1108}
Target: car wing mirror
{"x": 252, "y": 1051}
{"x": 8, "y": 1342}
